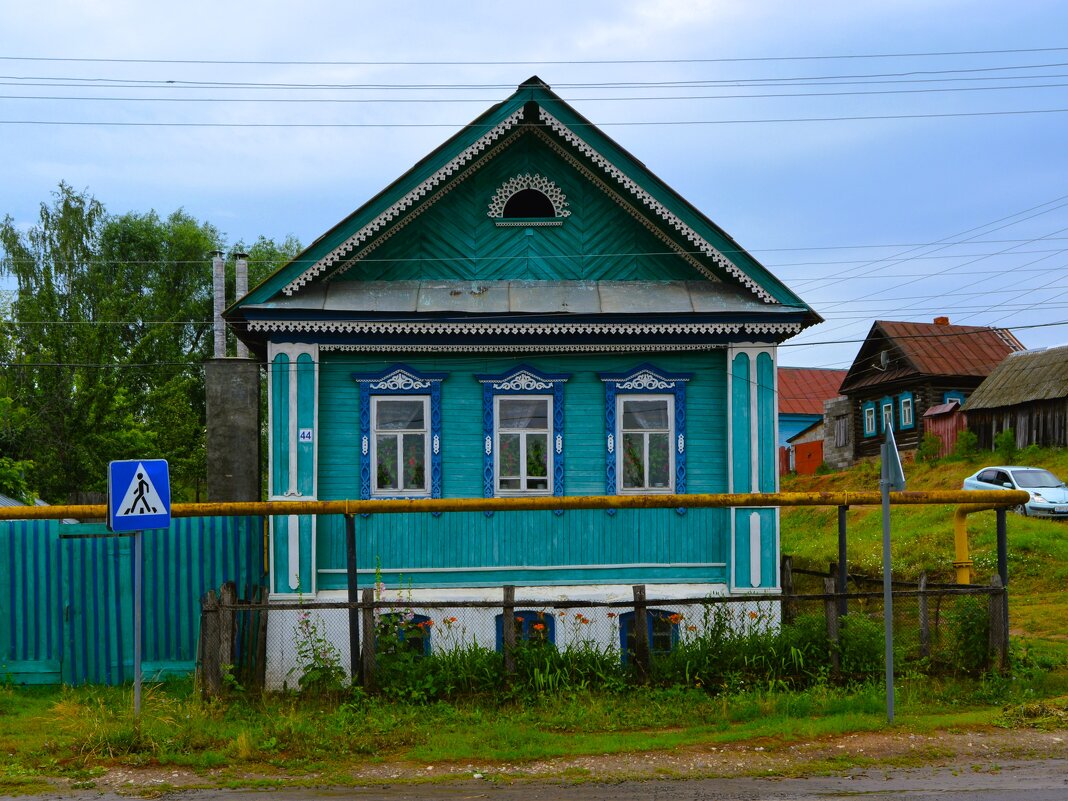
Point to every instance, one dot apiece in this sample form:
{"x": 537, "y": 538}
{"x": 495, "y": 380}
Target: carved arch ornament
{"x": 536, "y": 182}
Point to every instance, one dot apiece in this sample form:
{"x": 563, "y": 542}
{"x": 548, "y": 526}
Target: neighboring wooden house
{"x": 1028, "y": 393}
{"x": 527, "y": 311}
{"x": 903, "y": 369}
{"x": 802, "y": 393}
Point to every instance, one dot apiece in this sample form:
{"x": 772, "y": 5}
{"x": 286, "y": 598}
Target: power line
{"x": 721, "y": 60}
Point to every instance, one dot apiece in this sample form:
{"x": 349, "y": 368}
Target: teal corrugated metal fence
{"x": 66, "y": 604}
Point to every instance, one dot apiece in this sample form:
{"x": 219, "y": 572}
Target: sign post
{"x": 892, "y": 480}
{"x": 139, "y": 497}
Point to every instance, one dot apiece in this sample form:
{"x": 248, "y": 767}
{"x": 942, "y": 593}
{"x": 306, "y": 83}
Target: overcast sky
{"x": 945, "y": 204}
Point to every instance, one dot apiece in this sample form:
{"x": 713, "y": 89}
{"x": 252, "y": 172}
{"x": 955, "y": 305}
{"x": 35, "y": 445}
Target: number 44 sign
{"x": 305, "y": 435}
{"x": 139, "y": 495}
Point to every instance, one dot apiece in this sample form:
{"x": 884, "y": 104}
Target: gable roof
{"x": 925, "y": 350}
{"x": 1031, "y": 375}
{"x": 802, "y": 390}
{"x": 535, "y": 109}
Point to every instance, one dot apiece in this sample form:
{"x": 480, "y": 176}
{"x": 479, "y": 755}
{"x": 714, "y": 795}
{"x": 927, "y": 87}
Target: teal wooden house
{"x": 526, "y": 311}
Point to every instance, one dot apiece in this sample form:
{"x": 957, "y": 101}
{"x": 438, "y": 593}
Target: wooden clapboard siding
{"x": 67, "y": 604}
{"x": 577, "y": 542}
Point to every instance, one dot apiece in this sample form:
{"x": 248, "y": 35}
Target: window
{"x": 905, "y": 413}
{"x": 956, "y": 395}
{"x": 646, "y": 455}
{"x": 523, "y": 432}
{"x": 400, "y": 433}
{"x": 529, "y": 203}
{"x": 530, "y": 626}
{"x": 403, "y": 633}
{"x": 662, "y": 630}
{"x": 645, "y": 431}
{"x": 869, "y": 419}
{"x": 401, "y": 445}
{"x": 888, "y": 414}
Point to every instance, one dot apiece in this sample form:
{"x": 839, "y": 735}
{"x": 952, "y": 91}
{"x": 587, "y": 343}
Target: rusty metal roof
{"x": 928, "y": 349}
{"x": 1032, "y": 375}
{"x": 803, "y": 390}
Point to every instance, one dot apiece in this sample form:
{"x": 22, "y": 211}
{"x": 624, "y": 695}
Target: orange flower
{"x": 450, "y": 620}
{"x": 691, "y": 628}
{"x": 611, "y": 614}
{"x": 539, "y": 627}
{"x": 675, "y": 619}
{"x": 585, "y": 621}
{"x": 753, "y": 615}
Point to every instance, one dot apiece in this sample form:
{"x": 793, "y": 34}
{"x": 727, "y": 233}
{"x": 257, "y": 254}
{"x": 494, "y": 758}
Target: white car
{"x": 1049, "y": 495}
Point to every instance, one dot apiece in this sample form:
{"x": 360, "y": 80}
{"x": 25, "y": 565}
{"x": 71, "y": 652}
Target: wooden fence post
{"x": 641, "y": 634}
{"x": 211, "y": 680}
{"x": 830, "y": 606}
{"x": 843, "y": 568}
{"x": 925, "y": 624}
{"x": 786, "y": 580}
{"x": 999, "y": 632}
{"x": 367, "y": 646}
{"x": 508, "y": 630}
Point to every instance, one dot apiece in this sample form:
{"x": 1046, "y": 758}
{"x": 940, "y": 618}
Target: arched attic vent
{"x": 532, "y": 199}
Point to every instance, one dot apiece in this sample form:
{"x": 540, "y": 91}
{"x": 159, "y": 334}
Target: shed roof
{"x": 802, "y": 390}
{"x": 928, "y": 349}
{"x": 1025, "y": 377}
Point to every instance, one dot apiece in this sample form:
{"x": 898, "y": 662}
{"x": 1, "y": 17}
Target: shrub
{"x": 1005, "y": 446}
{"x": 968, "y": 624}
{"x": 861, "y": 645}
{"x": 930, "y": 448}
{"x": 966, "y": 446}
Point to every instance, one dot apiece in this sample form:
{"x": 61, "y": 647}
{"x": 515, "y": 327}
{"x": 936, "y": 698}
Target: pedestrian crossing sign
{"x": 139, "y": 495}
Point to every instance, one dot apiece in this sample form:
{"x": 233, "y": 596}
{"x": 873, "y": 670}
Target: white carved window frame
{"x": 376, "y": 491}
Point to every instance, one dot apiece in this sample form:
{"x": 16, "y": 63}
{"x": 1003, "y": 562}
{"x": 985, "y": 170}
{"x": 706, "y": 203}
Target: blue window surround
{"x": 901, "y": 399}
{"x": 870, "y": 432}
{"x": 652, "y": 616}
{"x": 400, "y": 380}
{"x": 416, "y": 621}
{"x": 522, "y": 380}
{"x": 956, "y": 395}
{"x": 528, "y": 618}
{"x": 887, "y": 401}
{"x": 644, "y": 379}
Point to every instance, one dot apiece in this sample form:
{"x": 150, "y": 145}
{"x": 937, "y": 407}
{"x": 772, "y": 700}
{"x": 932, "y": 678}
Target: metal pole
{"x": 137, "y": 602}
{"x": 888, "y": 598}
{"x": 355, "y": 663}
{"x": 843, "y": 573}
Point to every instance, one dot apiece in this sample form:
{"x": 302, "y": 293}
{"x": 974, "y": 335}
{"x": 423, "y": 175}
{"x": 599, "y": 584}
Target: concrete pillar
{"x": 241, "y": 289}
{"x": 218, "y": 284}
{"x": 233, "y": 411}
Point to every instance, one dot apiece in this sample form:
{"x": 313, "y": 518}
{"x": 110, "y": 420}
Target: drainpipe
{"x": 241, "y": 289}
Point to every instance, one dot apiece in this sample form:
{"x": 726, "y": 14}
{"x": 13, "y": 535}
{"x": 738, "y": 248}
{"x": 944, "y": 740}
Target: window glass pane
{"x": 399, "y": 414}
{"x": 641, "y": 415}
{"x": 523, "y": 413}
{"x": 414, "y": 461}
{"x": 659, "y": 461}
{"x": 536, "y": 455}
{"x": 633, "y": 461}
{"x": 386, "y": 454}
{"x": 508, "y": 455}
{"x": 662, "y": 628}
{"x": 511, "y": 483}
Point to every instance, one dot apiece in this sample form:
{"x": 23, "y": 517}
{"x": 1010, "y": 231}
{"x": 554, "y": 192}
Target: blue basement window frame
{"x": 400, "y": 433}
{"x": 645, "y": 431}
{"x": 663, "y": 632}
{"x": 531, "y": 625}
{"x": 906, "y": 410}
{"x": 523, "y": 432}
{"x": 870, "y": 418}
{"x": 402, "y": 633}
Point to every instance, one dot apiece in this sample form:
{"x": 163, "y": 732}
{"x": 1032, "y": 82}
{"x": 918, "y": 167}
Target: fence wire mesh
{"x": 719, "y": 643}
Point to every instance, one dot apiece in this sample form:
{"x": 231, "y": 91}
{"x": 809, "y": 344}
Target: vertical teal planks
{"x": 768, "y": 468}
{"x": 742, "y": 451}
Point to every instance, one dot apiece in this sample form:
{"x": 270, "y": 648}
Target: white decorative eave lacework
{"x": 527, "y": 181}
{"x": 647, "y": 379}
{"x": 405, "y": 202}
{"x": 481, "y": 328}
{"x": 398, "y": 380}
{"x": 772, "y": 328}
{"x": 539, "y": 348}
{"x": 655, "y": 205}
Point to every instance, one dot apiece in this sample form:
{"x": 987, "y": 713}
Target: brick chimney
{"x": 941, "y": 321}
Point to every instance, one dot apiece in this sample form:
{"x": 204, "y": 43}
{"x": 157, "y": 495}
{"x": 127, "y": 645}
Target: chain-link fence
{"x": 419, "y": 645}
